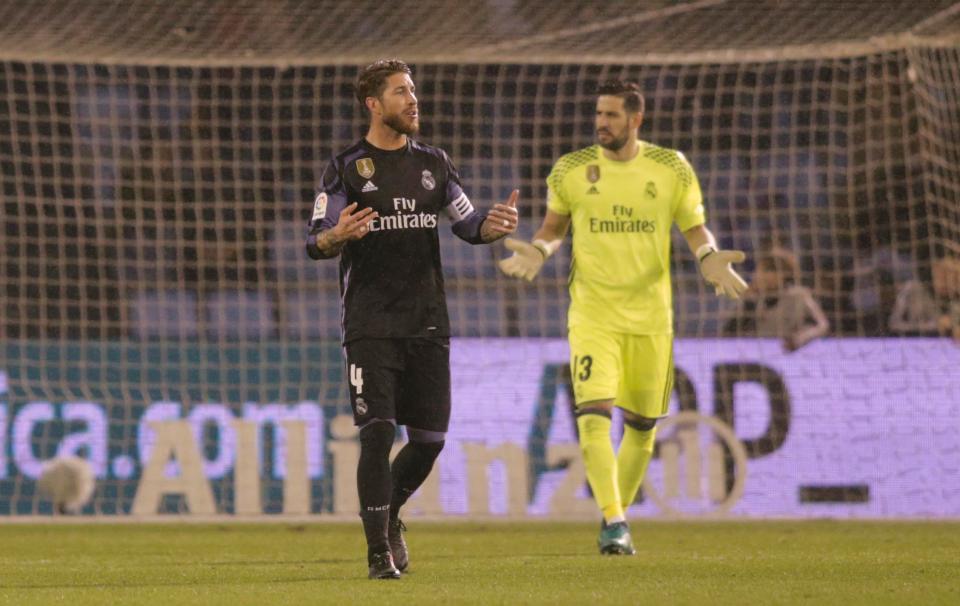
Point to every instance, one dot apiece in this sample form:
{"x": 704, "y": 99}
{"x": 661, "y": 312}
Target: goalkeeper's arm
{"x": 528, "y": 257}
{"x": 715, "y": 264}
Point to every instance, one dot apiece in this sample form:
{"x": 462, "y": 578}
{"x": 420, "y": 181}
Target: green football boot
{"x": 615, "y": 539}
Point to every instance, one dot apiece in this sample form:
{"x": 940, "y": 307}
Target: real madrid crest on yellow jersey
{"x": 365, "y": 167}
{"x": 651, "y": 190}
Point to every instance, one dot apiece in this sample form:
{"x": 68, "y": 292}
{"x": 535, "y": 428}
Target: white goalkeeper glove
{"x": 527, "y": 257}
{"x": 716, "y": 270}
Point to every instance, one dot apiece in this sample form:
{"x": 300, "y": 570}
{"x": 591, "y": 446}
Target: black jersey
{"x": 391, "y": 281}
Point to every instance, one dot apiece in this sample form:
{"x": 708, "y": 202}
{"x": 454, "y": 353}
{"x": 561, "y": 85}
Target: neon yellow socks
{"x": 601, "y": 464}
{"x": 636, "y": 448}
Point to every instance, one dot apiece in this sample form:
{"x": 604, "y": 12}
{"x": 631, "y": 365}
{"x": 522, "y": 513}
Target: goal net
{"x": 158, "y": 161}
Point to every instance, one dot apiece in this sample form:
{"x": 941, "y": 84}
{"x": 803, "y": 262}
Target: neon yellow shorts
{"x": 636, "y": 371}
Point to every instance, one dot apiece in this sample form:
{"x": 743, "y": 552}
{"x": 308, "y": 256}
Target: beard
{"x": 400, "y": 124}
{"x": 616, "y": 143}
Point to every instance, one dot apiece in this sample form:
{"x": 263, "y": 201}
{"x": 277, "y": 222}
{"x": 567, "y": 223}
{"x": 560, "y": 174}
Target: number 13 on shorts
{"x": 594, "y": 364}
{"x": 582, "y": 367}
{"x": 636, "y": 371}
{"x": 583, "y": 374}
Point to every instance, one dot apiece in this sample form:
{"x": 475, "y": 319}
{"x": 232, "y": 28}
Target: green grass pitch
{"x": 815, "y": 562}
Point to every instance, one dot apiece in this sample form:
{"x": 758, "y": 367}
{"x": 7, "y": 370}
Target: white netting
{"x": 329, "y": 32}
{"x": 158, "y": 161}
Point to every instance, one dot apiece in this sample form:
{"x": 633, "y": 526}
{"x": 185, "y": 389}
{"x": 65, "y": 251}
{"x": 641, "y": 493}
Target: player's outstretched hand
{"x": 716, "y": 269}
{"x": 525, "y": 262}
{"x": 352, "y": 225}
{"x": 502, "y": 218}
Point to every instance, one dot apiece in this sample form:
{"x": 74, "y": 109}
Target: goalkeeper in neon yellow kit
{"x": 622, "y": 197}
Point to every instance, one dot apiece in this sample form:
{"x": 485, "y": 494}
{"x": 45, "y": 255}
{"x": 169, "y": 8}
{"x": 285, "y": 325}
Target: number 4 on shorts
{"x": 356, "y": 378}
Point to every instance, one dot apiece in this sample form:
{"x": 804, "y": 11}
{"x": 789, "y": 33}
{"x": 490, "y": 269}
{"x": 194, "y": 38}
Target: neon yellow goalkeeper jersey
{"x": 621, "y": 215}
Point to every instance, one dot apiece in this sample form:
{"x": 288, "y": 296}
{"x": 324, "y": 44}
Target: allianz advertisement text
{"x": 839, "y": 429}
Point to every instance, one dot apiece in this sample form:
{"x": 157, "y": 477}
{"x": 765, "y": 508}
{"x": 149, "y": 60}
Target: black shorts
{"x": 407, "y": 380}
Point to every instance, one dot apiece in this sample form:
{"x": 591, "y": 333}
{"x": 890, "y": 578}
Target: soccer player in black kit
{"x": 377, "y": 209}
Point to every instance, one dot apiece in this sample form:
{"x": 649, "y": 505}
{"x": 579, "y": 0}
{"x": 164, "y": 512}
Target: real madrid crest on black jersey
{"x": 391, "y": 280}
{"x": 428, "y": 181}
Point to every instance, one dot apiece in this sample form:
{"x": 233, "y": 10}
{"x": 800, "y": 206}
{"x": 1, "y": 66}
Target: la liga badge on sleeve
{"x": 320, "y": 206}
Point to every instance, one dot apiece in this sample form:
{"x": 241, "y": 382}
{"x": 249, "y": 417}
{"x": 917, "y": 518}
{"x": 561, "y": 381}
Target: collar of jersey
{"x": 373, "y": 148}
{"x": 605, "y": 160}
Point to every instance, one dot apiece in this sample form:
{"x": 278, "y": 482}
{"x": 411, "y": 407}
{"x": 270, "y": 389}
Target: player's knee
{"x": 377, "y": 437}
{"x": 584, "y": 411}
{"x": 639, "y": 423}
{"x": 425, "y": 436}
{"x": 593, "y": 425}
{"x": 428, "y": 443}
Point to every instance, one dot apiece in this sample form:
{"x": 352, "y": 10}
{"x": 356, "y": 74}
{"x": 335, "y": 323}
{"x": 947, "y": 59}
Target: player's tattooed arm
{"x": 350, "y": 226}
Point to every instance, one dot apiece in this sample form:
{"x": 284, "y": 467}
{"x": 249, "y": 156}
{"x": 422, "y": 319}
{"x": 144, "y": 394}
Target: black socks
{"x": 410, "y": 469}
{"x": 383, "y": 490}
{"x": 374, "y": 483}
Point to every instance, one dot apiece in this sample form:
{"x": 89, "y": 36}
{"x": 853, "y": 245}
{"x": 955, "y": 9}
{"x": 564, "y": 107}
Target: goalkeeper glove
{"x": 715, "y": 267}
{"x": 527, "y": 258}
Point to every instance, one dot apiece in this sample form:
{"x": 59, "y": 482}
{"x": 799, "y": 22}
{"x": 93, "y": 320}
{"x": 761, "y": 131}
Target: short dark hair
{"x": 372, "y": 80}
{"x": 628, "y": 91}
{"x": 781, "y": 261}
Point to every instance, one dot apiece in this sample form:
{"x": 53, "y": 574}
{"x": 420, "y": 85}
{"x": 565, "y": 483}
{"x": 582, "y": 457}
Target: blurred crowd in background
{"x": 171, "y": 202}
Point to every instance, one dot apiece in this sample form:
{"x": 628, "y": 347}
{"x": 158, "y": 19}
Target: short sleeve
{"x": 556, "y": 196}
{"x": 689, "y": 211}
{"x": 331, "y": 198}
